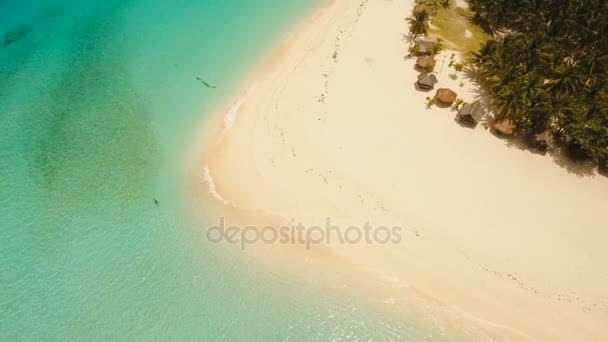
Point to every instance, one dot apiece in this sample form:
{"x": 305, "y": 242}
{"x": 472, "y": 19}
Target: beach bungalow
{"x": 421, "y": 8}
{"x": 505, "y": 127}
{"x": 424, "y": 47}
{"x": 543, "y": 141}
{"x": 427, "y": 81}
{"x": 470, "y": 114}
{"x": 446, "y": 96}
{"x": 426, "y": 63}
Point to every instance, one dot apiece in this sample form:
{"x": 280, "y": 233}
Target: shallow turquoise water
{"x": 95, "y": 103}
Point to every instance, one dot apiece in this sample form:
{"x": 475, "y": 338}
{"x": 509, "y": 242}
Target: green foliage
{"x": 458, "y": 67}
{"x": 429, "y": 102}
{"x": 413, "y": 48}
{"x": 550, "y": 71}
{"x": 455, "y": 26}
{"x": 438, "y": 47}
{"x": 419, "y": 23}
{"x": 446, "y": 4}
{"x": 456, "y": 105}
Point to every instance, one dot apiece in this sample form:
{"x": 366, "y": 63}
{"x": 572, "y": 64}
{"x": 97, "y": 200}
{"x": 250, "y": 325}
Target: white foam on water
{"x": 208, "y": 180}
{"x": 233, "y": 111}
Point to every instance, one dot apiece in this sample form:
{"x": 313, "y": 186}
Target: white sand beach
{"x": 500, "y": 243}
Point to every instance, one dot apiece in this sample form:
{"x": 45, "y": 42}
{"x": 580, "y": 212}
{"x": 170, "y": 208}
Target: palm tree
{"x": 511, "y": 101}
{"x": 487, "y": 50}
{"x": 438, "y": 47}
{"x": 419, "y": 23}
{"x": 595, "y": 60}
{"x": 530, "y": 51}
{"x": 565, "y": 79}
{"x": 550, "y": 68}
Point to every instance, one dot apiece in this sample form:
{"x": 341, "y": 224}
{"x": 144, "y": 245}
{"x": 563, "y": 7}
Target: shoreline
{"x": 260, "y": 161}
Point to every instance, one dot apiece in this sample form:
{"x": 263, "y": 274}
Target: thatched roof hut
{"x": 419, "y": 8}
{"x": 506, "y": 127}
{"x": 446, "y": 95}
{"x": 470, "y": 114}
{"x": 427, "y": 81}
{"x": 424, "y": 47}
{"x": 426, "y": 63}
{"x": 544, "y": 141}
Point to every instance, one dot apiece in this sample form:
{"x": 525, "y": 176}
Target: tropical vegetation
{"x": 419, "y": 23}
{"x": 547, "y": 68}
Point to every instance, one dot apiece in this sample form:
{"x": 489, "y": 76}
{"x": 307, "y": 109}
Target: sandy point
{"x": 499, "y": 243}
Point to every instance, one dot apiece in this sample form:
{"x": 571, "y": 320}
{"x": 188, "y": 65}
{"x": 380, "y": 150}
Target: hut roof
{"x": 446, "y": 95}
{"x": 421, "y": 7}
{"x": 422, "y": 50}
{"x": 505, "y": 127}
{"x": 425, "y": 62}
{"x": 545, "y": 138}
{"x": 473, "y": 110}
{"x": 425, "y": 47}
{"x": 427, "y": 80}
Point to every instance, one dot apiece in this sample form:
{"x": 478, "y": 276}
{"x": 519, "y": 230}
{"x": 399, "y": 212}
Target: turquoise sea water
{"x": 97, "y": 100}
